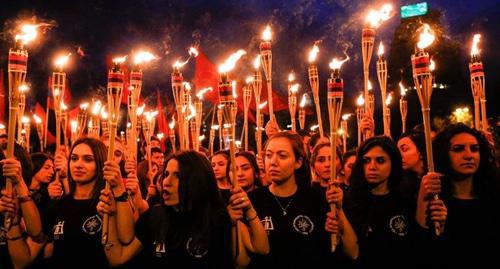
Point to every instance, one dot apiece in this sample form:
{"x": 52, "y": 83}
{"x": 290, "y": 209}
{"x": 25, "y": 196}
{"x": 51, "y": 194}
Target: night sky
{"x": 108, "y": 27}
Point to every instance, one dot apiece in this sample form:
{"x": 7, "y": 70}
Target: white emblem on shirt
{"x": 58, "y": 229}
{"x": 303, "y": 224}
{"x": 195, "y": 251}
{"x": 3, "y": 240}
{"x": 159, "y": 249}
{"x": 92, "y": 225}
{"x": 268, "y": 223}
{"x": 399, "y": 225}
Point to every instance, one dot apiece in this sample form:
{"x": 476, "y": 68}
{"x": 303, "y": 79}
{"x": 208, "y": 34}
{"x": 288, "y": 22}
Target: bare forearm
{"x": 126, "y": 223}
{"x": 258, "y": 235}
{"x": 349, "y": 238}
{"x": 29, "y": 211}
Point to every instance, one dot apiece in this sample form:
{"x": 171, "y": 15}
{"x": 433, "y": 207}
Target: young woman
{"x": 349, "y": 158}
{"x": 219, "y": 161}
{"x": 320, "y": 164}
{"x": 383, "y": 221}
{"x": 247, "y": 171}
{"x": 467, "y": 180}
{"x": 411, "y": 145}
{"x": 292, "y": 213}
{"x": 43, "y": 173}
{"x": 190, "y": 229}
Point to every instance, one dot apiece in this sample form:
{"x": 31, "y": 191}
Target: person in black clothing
{"x": 349, "y": 158}
{"x": 43, "y": 173}
{"x": 320, "y": 166}
{"x": 382, "y": 220}
{"x": 467, "y": 180}
{"x": 190, "y": 229}
{"x": 411, "y": 145}
{"x": 247, "y": 171}
{"x": 219, "y": 161}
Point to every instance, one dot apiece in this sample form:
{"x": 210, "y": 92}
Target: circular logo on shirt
{"x": 195, "y": 251}
{"x": 399, "y": 225}
{"x": 3, "y": 240}
{"x": 92, "y": 225}
{"x": 303, "y": 224}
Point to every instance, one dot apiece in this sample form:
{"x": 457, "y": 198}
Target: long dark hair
{"x": 100, "y": 152}
{"x": 303, "y": 174}
{"x": 485, "y": 181}
{"x": 199, "y": 197}
{"x": 253, "y": 163}
{"x": 359, "y": 185}
{"x": 418, "y": 138}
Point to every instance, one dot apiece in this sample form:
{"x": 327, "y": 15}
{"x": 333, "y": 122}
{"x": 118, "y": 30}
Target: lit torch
{"x": 403, "y": 107}
{"x": 382, "y": 80}
{"x": 360, "y": 111}
{"x": 81, "y": 119}
{"x": 292, "y": 100}
{"x": 267, "y": 62}
{"x": 258, "y": 134}
{"x": 22, "y": 105}
{"x": 171, "y": 134}
{"x": 422, "y": 76}
{"x": 198, "y": 104}
{"x": 312, "y": 71}
{"x": 387, "y": 115}
{"x": 302, "y": 111}
{"x": 345, "y": 130}
{"x": 27, "y": 130}
{"x": 58, "y": 88}
{"x": 247, "y": 98}
{"x": 257, "y": 88}
{"x": 477, "y": 80}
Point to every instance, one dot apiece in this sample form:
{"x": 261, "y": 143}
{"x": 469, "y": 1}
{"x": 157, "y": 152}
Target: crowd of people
{"x": 276, "y": 209}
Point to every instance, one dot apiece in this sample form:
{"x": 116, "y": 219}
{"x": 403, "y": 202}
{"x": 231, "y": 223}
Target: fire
{"x": 192, "y": 112}
{"x": 432, "y": 65}
{"x": 143, "y": 57}
{"x": 25, "y": 120}
{"x": 140, "y": 110}
{"x": 23, "y": 88}
{"x": 201, "y": 137}
{"x": 370, "y": 87}
{"x": 402, "y": 89}
{"x": 119, "y": 60}
{"x": 193, "y": 52}
{"x": 160, "y": 136}
{"x": 291, "y": 77}
{"x": 475, "y": 41}
{"x": 341, "y": 131}
{"x": 215, "y": 127}
{"x": 84, "y": 106}
{"x": 426, "y": 37}
{"x": 303, "y": 100}
{"x": 256, "y": 62}
{"x": 376, "y": 17}
{"x": 249, "y": 80}
{"x": 233, "y": 85}
{"x": 150, "y": 115}
{"x": 38, "y": 120}
{"x": 267, "y": 34}
{"x": 313, "y": 53}
{"x": 230, "y": 62}
{"x": 104, "y": 114}
{"x": 346, "y": 116}
{"x": 314, "y": 127}
{"x": 380, "y": 49}
{"x": 335, "y": 64}
{"x": 28, "y": 33}
{"x": 74, "y": 126}
{"x": 171, "y": 125}
{"x": 96, "y": 107}
{"x": 294, "y": 88}
{"x": 179, "y": 64}
{"x": 57, "y": 92}
{"x": 203, "y": 92}
{"x": 360, "y": 101}
{"x": 187, "y": 86}
{"x": 262, "y": 105}
{"x": 61, "y": 61}
{"x": 64, "y": 106}
{"x": 388, "y": 99}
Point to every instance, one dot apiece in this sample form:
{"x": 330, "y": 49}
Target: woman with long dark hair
{"x": 382, "y": 219}
{"x": 190, "y": 229}
{"x": 467, "y": 180}
{"x": 411, "y": 145}
{"x": 219, "y": 161}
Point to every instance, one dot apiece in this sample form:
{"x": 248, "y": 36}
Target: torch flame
{"x": 360, "y": 101}
{"x": 64, "y": 106}
{"x": 376, "y": 17}
{"x": 426, "y": 37}
{"x": 256, "y": 62}
{"x": 249, "y": 80}
{"x": 179, "y": 64}
{"x": 84, "y": 106}
{"x": 346, "y": 116}
{"x": 215, "y": 127}
{"x": 313, "y": 53}
{"x": 201, "y": 137}
{"x": 2, "y": 126}
{"x": 370, "y": 87}
{"x": 291, "y": 77}
{"x": 335, "y": 64}
{"x": 402, "y": 89}
{"x": 150, "y": 115}
{"x": 171, "y": 125}
{"x": 104, "y": 114}
{"x": 388, "y": 99}
{"x": 119, "y": 60}
{"x": 140, "y": 110}
{"x": 294, "y": 88}
{"x": 96, "y": 107}
{"x": 160, "y": 136}
{"x": 314, "y": 127}
{"x": 262, "y": 105}
{"x": 380, "y": 49}
{"x": 267, "y": 34}
{"x": 61, "y": 61}
{"x": 143, "y": 57}
{"x": 303, "y": 100}
{"x": 202, "y": 92}
{"x": 74, "y": 126}
{"x": 233, "y": 84}
{"x": 23, "y": 88}
{"x": 38, "y": 120}
{"x": 432, "y": 65}
{"x": 193, "y": 52}
{"x": 28, "y": 33}
{"x": 187, "y": 86}
{"x": 475, "y": 40}
{"x": 25, "y": 120}
{"x": 230, "y": 63}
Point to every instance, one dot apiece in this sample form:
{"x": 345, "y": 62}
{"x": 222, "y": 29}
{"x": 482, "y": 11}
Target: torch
{"x": 247, "y": 98}
{"x": 148, "y": 127}
{"x": 382, "y": 80}
{"x": 186, "y": 104}
{"x": 403, "y": 106}
{"x": 344, "y": 126}
{"x": 302, "y": 111}
{"x": 477, "y": 80}
{"x": 94, "y": 125}
{"x": 369, "y": 107}
{"x": 27, "y": 131}
{"x": 360, "y": 111}
{"x": 64, "y": 123}
{"x": 335, "y": 98}
{"x": 422, "y": 77}
{"x": 257, "y": 88}
{"x": 114, "y": 93}
{"x": 314, "y": 81}
{"x": 260, "y": 122}
{"x": 220, "y": 111}
{"x": 387, "y": 115}
{"x": 104, "y": 121}
{"x": 81, "y": 120}
{"x": 267, "y": 62}
{"x": 198, "y": 104}
{"x": 58, "y": 86}
{"x": 74, "y": 131}
{"x": 39, "y": 130}
{"x": 292, "y": 100}
{"x": 171, "y": 134}
{"x": 22, "y": 105}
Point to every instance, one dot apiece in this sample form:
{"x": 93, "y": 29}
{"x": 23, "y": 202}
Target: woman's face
{"x": 244, "y": 173}
{"x": 464, "y": 154}
{"x": 219, "y": 163}
{"x": 44, "y": 175}
{"x": 348, "y": 165}
{"x": 322, "y": 164}
{"x": 170, "y": 184}
{"x": 377, "y": 166}
{"x": 411, "y": 157}
{"x": 82, "y": 164}
{"x": 280, "y": 161}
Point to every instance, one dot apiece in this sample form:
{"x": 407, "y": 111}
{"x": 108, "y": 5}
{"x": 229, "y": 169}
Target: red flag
{"x": 3, "y": 96}
{"x": 162, "y": 118}
{"x": 40, "y": 112}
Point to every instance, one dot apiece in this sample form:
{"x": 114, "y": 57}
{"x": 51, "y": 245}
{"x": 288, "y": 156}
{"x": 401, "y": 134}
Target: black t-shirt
{"x": 5, "y": 261}
{"x": 384, "y": 225}
{"x": 296, "y": 232}
{"x": 75, "y": 229}
{"x": 177, "y": 248}
{"x": 226, "y": 194}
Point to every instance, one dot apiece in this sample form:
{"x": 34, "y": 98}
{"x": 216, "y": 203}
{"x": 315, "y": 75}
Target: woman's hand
{"x": 12, "y": 169}
{"x": 437, "y": 212}
{"x": 8, "y": 204}
{"x": 55, "y": 190}
{"x": 61, "y": 163}
{"x": 130, "y": 165}
{"x": 132, "y": 183}
{"x": 431, "y": 184}
{"x": 332, "y": 223}
{"x": 335, "y": 195}
{"x": 367, "y": 124}
{"x": 239, "y": 206}
{"x": 107, "y": 204}
{"x": 112, "y": 175}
